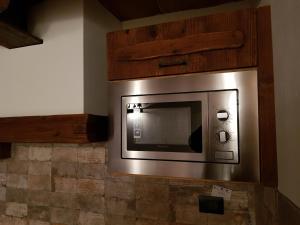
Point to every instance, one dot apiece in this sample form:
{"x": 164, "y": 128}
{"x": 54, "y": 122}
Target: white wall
{"x": 286, "y": 49}
{"x": 46, "y": 79}
{"x": 97, "y": 22}
{"x": 68, "y": 73}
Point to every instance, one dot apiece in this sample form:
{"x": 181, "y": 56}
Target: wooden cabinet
{"x": 214, "y": 42}
{"x": 233, "y": 40}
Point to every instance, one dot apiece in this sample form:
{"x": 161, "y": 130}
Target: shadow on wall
{"x": 45, "y": 14}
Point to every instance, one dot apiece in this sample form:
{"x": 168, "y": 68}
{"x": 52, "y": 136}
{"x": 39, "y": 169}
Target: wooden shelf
{"x": 13, "y": 37}
{"x": 13, "y": 24}
{"x": 75, "y": 128}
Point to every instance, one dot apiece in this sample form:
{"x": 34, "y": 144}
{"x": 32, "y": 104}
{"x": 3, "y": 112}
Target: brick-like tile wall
{"x": 68, "y": 184}
{"x": 56, "y": 184}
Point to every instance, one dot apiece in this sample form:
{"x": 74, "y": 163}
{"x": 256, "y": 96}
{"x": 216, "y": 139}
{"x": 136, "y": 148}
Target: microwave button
{"x": 222, "y": 115}
{"x": 223, "y": 136}
{"x": 224, "y": 155}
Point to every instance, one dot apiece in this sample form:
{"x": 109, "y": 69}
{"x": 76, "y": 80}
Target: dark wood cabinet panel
{"x": 214, "y": 42}
{"x": 181, "y": 46}
{"x": 266, "y": 99}
{"x": 133, "y": 9}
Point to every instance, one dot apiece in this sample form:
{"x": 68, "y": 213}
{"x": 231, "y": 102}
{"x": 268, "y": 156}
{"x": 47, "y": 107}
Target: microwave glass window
{"x": 165, "y": 127}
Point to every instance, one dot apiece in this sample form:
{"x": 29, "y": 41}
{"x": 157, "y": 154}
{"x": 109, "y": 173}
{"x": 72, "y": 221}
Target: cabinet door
{"x": 214, "y": 42}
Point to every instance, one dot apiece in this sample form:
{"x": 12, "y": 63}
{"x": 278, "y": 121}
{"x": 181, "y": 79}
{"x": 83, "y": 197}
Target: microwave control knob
{"x": 223, "y": 136}
{"x": 222, "y": 115}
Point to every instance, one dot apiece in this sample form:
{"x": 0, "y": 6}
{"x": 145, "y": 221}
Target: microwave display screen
{"x": 165, "y": 126}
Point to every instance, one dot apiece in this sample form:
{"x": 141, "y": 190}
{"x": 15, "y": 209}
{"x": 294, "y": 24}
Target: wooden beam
{"x": 266, "y": 104}
{"x": 77, "y": 128}
{"x": 181, "y": 46}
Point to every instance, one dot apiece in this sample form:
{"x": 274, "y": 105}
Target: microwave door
{"x": 157, "y": 127}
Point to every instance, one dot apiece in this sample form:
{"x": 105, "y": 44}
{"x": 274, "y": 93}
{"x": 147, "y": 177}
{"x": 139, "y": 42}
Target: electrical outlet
{"x": 211, "y": 204}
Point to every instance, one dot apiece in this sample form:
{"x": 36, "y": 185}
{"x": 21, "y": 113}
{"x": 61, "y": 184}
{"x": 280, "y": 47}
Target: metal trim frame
{"x": 245, "y": 81}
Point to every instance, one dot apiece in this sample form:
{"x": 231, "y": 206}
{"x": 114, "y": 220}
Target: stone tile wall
{"x": 53, "y": 184}
{"x": 68, "y": 184}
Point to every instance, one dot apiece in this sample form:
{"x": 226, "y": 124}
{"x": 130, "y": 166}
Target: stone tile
{"x": 153, "y": 210}
{"x": 189, "y": 214}
{"x": 7, "y": 220}
{"x": 238, "y": 202}
{"x": 121, "y": 207}
{"x": 17, "y": 181}
{"x": 2, "y": 208}
{"x": 39, "y": 168}
{"x": 16, "y": 195}
{"x": 91, "y": 186}
{"x": 188, "y": 194}
{"x": 189, "y": 182}
{"x": 38, "y": 222}
{"x": 39, "y": 182}
{"x": 41, "y": 213}
{"x": 125, "y": 178}
{"x": 91, "y": 170}
{"x": 65, "y": 153}
{"x": 3, "y": 179}
{"x": 67, "y": 185}
{"x": 20, "y": 152}
{"x": 151, "y": 179}
{"x": 17, "y": 167}
{"x": 152, "y": 191}
{"x": 91, "y": 155}
{"x": 87, "y": 218}
{"x": 63, "y": 200}
{"x": 64, "y": 216}
{"x": 40, "y": 152}
{"x": 91, "y": 203}
{"x": 3, "y": 166}
{"x": 64, "y": 169}
{"x": 228, "y": 219}
{"x": 122, "y": 190}
{"x": 16, "y": 209}
{"x": 2, "y": 194}
{"x": 119, "y": 220}
{"x": 141, "y": 221}
{"x": 39, "y": 198}
{"x": 102, "y": 147}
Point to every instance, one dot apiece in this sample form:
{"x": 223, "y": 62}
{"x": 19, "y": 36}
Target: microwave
{"x": 201, "y": 125}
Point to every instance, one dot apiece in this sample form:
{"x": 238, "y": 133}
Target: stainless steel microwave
{"x": 196, "y": 125}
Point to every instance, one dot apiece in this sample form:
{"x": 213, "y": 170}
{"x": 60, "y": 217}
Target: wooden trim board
{"x": 266, "y": 99}
{"x": 76, "y": 128}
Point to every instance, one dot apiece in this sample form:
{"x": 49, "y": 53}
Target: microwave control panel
{"x": 223, "y": 126}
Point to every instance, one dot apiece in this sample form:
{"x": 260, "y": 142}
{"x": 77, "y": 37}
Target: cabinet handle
{"x": 169, "y": 64}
